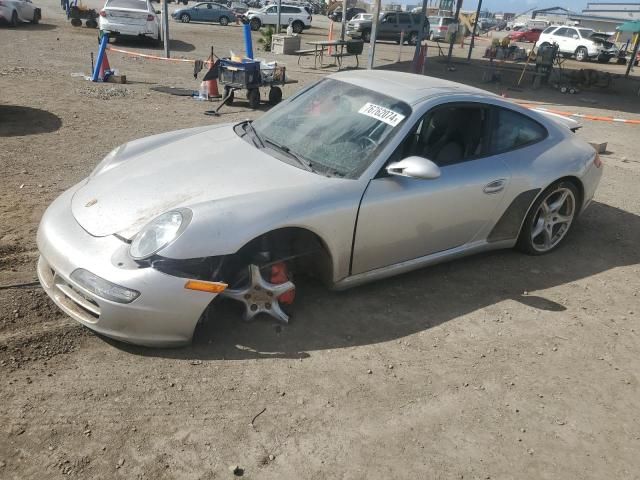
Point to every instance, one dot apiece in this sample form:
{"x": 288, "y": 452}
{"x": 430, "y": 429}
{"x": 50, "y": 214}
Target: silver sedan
{"x": 361, "y": 176}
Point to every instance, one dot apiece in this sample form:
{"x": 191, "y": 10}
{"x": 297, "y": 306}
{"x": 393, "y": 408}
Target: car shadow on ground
{"x": 35, "y": 27}
{"x": 21, "y": 121}
{"x": 604, "y": 238}
{"x": 174, "y": 45}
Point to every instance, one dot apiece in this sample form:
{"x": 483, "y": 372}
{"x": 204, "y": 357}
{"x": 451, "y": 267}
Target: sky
{"x": 520, "y": 6}
{"x": 515, "y": 6}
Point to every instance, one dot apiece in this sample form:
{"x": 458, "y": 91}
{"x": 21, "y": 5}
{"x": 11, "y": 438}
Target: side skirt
{"x": 416, "y": 263}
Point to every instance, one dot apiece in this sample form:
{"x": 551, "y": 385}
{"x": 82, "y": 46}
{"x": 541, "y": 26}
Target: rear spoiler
{"x": 570, "y": 123}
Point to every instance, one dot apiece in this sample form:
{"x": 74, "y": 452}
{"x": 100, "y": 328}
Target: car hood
{"x": 178, "y": 169}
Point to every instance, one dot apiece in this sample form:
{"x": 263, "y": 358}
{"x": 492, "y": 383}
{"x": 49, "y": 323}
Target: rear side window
{"x": 132, "y": 4}
{"x": 561, "y": 32}
{"x": 447, "y": 21}
{"x": 514, "y": 130}
{"x": 290, "y": 10}
{"x": 404, "y": 18}
{"x": 549, "y": 29}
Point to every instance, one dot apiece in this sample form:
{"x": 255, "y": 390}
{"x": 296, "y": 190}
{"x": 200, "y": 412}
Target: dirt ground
{"x": 496, "y": 366}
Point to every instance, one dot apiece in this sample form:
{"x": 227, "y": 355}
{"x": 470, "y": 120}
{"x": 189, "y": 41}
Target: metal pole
{"x": 457, "y": 22}
{"x": 421, "y": 33}
{"x": 165, "y": 27}
{"x": 475, "y": 26}
{"x": 279, "y": 13}
{"x": 344, "y": 19}
{"x": 374, "y": 34}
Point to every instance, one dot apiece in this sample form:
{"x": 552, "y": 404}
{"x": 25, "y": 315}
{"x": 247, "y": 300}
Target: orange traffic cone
{"x": 212, "y": 88}
{"x": 104, "y": 66}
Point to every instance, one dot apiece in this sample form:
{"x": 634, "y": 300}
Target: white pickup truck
{"x": 16, "y": 11}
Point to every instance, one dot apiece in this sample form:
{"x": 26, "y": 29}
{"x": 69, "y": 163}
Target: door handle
{"x": 495, "y": 186}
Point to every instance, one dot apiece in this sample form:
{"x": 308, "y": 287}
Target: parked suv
{"x": 439, "y": 26}
{"x": 390, "y": 27}
{"x": 297, "y": 16}
{"x": 584, "y": 43}
{"x": 336, "y": 15}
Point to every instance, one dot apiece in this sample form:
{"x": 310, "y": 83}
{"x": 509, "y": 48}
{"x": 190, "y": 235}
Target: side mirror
{"x": 575, "y": 37}
{"x": 414, "y": 167}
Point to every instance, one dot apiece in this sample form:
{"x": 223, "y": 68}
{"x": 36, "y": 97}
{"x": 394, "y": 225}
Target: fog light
{"x": 103, "y": 288}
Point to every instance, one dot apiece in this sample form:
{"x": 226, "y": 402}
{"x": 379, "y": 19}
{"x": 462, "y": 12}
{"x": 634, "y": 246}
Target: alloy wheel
{"x": 553, "y": 219}
{"x": 260, "y": 296}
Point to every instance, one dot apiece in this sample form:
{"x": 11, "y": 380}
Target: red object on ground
{"x": 104, "y": 66}
{"x": 279, "y": 274}
{"x": 212, "y": 88}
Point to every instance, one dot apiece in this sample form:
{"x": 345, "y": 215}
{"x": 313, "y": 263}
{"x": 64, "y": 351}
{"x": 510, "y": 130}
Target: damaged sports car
{"x": 360, "y": 176}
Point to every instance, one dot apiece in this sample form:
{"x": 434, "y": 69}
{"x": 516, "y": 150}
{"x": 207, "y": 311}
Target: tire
{"x": 91, "y": 23}
{"x": 224, "y": 21}
{"x": 297, "y": 27}
{"x": 228, "y": 91}
{"x": 582, "y": 55}
{"x": 275, "y": 95}
{"x": 13, "y": 23}
{"x": 366, "y": 36}
{"x": 542, "y": 232}
{"x": 185, "y": 18}
{"x": 76, "y": 22}
{"x": 255, "y": 24}
{"x": 253, "y": 95}
{"x": 604, "y": 59}
{"x": 36, "y": 16}
{"x": 413, "y": 38}
{"x": 184, "y": 2}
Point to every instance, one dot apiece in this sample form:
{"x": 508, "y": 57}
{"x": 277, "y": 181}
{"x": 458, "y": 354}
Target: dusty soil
{"x": 496, "y": 366}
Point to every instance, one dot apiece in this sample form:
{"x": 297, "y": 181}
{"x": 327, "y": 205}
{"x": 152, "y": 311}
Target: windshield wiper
{"x": 302, "y": 161}
{"x": 249, "y": 130}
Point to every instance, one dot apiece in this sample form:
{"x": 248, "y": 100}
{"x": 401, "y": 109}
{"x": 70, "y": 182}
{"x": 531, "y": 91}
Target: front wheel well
{"x": 303, "y": 249}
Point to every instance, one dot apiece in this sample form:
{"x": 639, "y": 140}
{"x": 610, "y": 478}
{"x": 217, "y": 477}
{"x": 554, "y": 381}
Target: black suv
{"x": 336, "y": 15}
{"x": 390, "y": 27}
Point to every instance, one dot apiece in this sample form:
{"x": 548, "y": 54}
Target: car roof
{"x": 408, "y": 87}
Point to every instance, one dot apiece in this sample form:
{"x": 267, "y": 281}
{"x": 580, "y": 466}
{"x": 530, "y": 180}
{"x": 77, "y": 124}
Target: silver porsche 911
{"x": 363, "y": 175}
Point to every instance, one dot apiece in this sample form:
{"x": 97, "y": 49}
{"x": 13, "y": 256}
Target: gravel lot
{"x": 496, "y": 366}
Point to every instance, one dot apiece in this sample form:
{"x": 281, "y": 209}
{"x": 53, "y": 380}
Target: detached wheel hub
{"x": 262, "y": 296}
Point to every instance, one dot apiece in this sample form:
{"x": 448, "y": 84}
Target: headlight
{"x": 159, "y": 233}
{"x": 108, "y": 162}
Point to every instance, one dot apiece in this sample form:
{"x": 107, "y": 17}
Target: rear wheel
{"x": 36, "y": 16}
{"x": 224, "y": 21}
{"x": 76, "y": 22}
{"x": 550, "y": 219}
{"x": 581, "y": 54}
{"x": 255, "y": 24}
{"x": 185, "y": 18}
{"x": 14, "y": 19}
{"x": 275, "y": 95}
{"x": 297, "y": 26}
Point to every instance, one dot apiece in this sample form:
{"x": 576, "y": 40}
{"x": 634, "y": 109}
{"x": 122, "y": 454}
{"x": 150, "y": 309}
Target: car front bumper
{"x": 165, "y": 313}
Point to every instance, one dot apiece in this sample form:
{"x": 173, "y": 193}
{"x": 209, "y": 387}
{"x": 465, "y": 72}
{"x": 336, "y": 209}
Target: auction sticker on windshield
{"x": 380, "y": 113}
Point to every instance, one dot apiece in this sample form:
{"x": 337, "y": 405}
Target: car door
{"x": 208, "y": 13}
{"x": 561, "y": 38}
{"x": 572, "y": 40}
{"x": 198, "y": 12}
{"x": 403, "y": 218}
{"x": 388, "y": 27}
{"x": 404, "y": 25}
{"x": 270, "y": 16}
{"x": 25, "y": 10}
